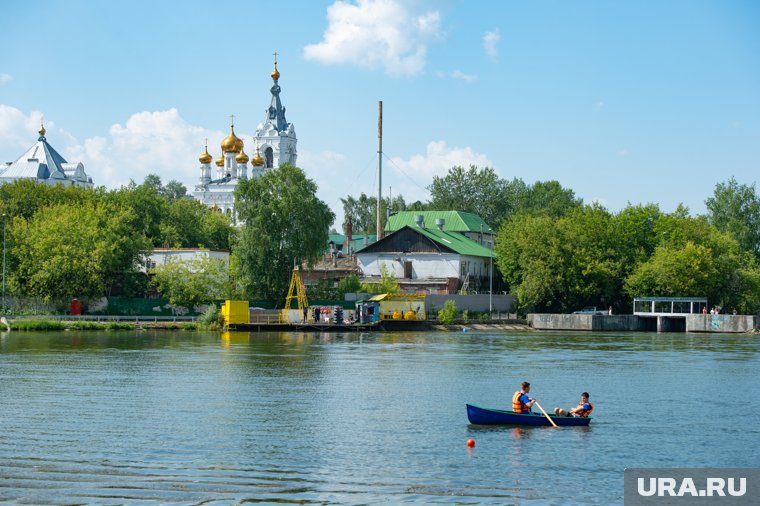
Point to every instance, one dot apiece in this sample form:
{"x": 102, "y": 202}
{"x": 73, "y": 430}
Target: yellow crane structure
{"x": 296, "y": 291}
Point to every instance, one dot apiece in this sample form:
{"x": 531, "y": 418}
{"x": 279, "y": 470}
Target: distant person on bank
{"x": 582, "y": 410}
{"x": 521, "y": 403}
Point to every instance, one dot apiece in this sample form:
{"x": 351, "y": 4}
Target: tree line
{"x": 66, "y": 242}
{"x": 554, "y": 252}
{"x": 557, "y": 254}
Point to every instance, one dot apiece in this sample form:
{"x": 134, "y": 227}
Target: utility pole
{"x": 379, "y": 168}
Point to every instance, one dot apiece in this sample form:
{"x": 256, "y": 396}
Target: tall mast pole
{"x": 379, "y": 168}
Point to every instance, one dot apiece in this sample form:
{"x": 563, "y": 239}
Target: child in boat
{"x": 583, "y": 409}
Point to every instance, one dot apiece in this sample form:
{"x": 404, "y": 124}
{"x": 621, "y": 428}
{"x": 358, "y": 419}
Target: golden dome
{"x": 275, "y": 73}
{"x": 231, "y": 143}
{"x": 241, "y": 158}
{"x": 205, "y": 157}
{"x": 220, "y": 161}
{"x": 257, "y": 160}
{"x": 42, "y": 130}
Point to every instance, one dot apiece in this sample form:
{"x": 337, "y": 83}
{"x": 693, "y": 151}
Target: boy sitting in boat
{"x": 521, "y": 403}
{"x": 582, "y": 410}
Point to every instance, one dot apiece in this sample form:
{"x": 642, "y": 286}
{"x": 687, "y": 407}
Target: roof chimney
{"x": 440, "y": 222}
{"x": 419, "y": 220}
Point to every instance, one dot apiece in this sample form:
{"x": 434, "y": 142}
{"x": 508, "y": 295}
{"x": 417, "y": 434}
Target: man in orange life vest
{"x": 582, "y": 410}
{"x": 521, "y": 403}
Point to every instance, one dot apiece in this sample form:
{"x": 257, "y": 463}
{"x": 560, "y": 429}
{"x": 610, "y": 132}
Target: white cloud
{"x": 417, "y": 172}
{"x": 18, "y": 131}
{"x": 376, "y": 34}
{"x": 160, "y": 142}
{"x": 598, "y": 106}
{"x": 456, "y": 74}
{"x": 4, "y": 78}
{"x": 490, "y": 41}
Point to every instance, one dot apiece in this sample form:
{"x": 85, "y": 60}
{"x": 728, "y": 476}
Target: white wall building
{"x": 42, "y": 163}
{"x": 161, "y": 256}
{"x": 275, "y": 144}
{"x": 427, "y": 259}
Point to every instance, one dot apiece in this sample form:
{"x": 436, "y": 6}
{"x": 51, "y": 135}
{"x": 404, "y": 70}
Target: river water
{"x": 199, "y": 418}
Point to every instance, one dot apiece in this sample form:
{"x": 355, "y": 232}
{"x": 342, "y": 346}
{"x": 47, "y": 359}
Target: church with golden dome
{"x": 273, "y": 144}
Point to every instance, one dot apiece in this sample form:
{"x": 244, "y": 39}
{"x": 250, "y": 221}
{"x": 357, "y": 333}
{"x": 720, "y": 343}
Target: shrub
{"x": 448, "y": 314}
{"x": 210, "y": 317}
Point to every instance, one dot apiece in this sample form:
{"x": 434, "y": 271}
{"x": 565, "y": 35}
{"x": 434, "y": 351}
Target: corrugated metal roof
{"x": 454, "y": 241}
{"x": 454, "y": 221}
{"x": 357, "y": 241}
{"x": 42, "y": 162}
{"x": 397, "y": 296}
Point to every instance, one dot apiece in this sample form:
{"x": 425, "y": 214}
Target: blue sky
{"x": 639, "y": 102}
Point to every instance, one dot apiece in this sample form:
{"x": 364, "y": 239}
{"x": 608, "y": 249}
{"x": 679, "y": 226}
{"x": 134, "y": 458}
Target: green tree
{"x": 548, "y": 198}
{"x": 24, "y": 198}
{"x": 349, "y": 284}
{"x": 735, "y": 208}
{"x": 153, "y": 182}
{"x": 363, "y": 214}
{"x": 387, "y": 284}
{"x": 560, "y": 263}
{"x": 323, "y": 289}
{"x": 684, "y": 271}
{"x": 190, "y": 283}
{"x": 217, "y": 231}
{"x": 147, "y": 210}
{"x": 448, "y": 315}
{"x": 475, "y": 190}
{"x": 696, "y": 259}
{"x": 174, "y": 190}
{"x": 532, "y": 257}
{"x": 73, "y": 250}
{"x": 285, "y": 224}
{"x": 634, "y": 231}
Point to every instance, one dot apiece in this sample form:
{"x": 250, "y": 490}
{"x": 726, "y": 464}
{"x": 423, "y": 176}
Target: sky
{"x": 623, "y": 102}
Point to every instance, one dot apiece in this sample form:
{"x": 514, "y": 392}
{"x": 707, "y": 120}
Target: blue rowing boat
{"x": 484, "y": 416}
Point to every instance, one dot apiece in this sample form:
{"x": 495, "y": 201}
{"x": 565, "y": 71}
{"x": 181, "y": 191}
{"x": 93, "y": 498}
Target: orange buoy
{"x": 470, "y": 443}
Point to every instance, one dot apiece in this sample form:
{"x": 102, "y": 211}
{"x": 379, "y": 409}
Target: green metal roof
{"x": 455, "y": 221}
{"x": 357, "y": 241}
{"x": 456, "y": 241}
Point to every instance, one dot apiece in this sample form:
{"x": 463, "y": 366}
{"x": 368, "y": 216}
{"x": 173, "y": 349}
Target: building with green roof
{"x": 429, "y": 259}
{"x": 468, "y": 224}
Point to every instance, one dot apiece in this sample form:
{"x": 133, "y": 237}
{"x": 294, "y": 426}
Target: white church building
{"x": 274, "y": 144}
{"x": 43, "y": 164}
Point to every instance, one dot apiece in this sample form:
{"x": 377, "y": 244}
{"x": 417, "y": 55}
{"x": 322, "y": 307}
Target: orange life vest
{"x": 583, "y": 413}
{"x": 517, "y": 405}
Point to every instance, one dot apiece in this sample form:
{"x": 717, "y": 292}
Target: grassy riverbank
{"x": 62, "y": 325}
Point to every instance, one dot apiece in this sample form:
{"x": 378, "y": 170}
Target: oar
{"x": 544, "y": 412}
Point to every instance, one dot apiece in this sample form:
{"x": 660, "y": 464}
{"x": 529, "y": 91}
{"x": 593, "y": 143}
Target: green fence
{"x": 123, "y": 306}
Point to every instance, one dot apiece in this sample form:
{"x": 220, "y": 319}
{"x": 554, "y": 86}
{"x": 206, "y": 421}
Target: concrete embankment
{"x": 483, "y": 327}
{"x": 667, "y": 323}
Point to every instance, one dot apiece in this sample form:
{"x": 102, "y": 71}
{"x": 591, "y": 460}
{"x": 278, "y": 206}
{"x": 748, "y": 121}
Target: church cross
{"x": 275, "y": 58}
{"x": 232, "y": 120}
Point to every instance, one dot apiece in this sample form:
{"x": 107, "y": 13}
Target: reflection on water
{"x": 178, "y": 417}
